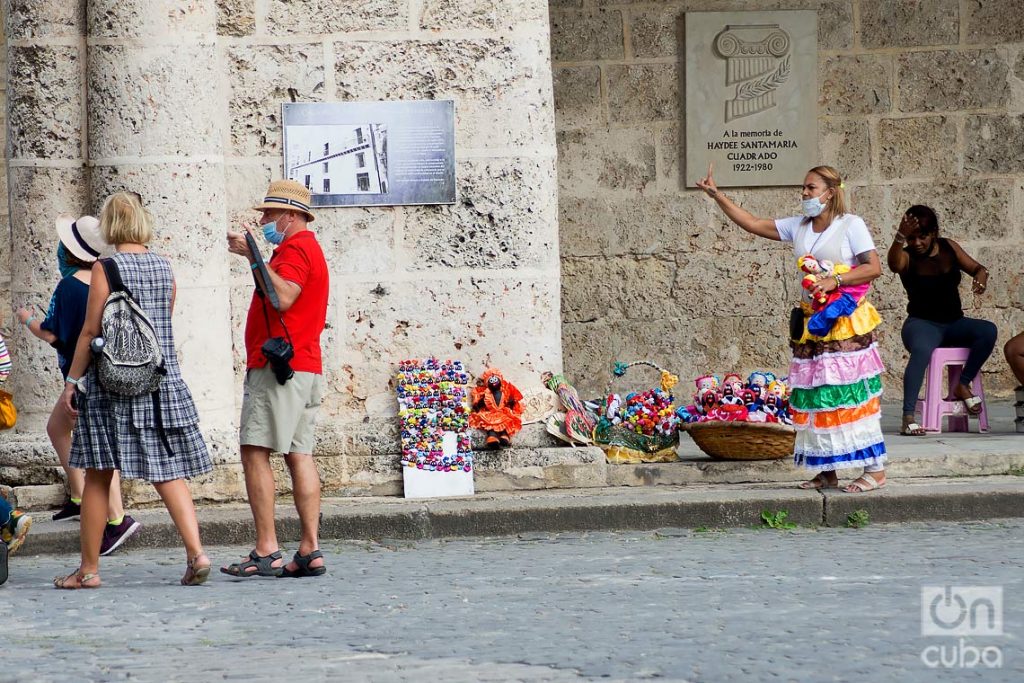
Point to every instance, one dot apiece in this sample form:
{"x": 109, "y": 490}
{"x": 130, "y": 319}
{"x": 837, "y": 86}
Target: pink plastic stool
{"x": 938, "y": 399}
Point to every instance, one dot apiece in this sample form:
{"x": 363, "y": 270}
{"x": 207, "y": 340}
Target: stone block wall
{"x": 919, "y": 102}
{"x": 478, "y": 280}
{"x": 182, "y": 102}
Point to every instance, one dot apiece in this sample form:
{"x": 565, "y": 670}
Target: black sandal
{"x": 263, "y": 565}
{"x": 303, "y": 569}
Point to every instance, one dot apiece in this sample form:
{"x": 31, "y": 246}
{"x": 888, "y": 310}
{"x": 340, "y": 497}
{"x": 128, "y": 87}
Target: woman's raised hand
{"x": 908, "y": 224}
{"x": 708, "y": 183}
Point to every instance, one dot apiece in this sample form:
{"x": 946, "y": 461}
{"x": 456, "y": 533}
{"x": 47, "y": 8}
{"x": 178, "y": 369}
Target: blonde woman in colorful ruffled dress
{"x": 835, "y": 377}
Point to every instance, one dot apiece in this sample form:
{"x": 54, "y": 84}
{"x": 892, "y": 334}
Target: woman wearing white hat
{"x": 79, "y": 245}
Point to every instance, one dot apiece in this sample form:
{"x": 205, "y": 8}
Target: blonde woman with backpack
{"x": 152, "y": 436}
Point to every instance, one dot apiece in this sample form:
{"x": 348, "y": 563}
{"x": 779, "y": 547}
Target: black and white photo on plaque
{"x": 372, "y": 153}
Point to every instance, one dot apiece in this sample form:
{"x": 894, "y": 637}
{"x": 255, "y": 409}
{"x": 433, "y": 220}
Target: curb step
{"x": 606, "y": 509}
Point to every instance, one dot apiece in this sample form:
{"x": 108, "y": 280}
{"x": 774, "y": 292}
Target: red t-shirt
{"x": 298, "y": 259}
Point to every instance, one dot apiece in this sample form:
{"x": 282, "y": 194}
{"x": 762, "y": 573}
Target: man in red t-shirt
{"x": 280, "y": 400}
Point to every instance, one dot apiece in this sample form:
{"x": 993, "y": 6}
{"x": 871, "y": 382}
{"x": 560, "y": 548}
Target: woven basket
{"x": 742, "y": 440}
{"x": 625, "y": 446}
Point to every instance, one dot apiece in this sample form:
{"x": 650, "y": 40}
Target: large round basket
{"x": 743, "y": 440}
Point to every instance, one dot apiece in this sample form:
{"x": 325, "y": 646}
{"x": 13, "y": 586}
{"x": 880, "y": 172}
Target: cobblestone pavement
{"x": 736, "y": 605}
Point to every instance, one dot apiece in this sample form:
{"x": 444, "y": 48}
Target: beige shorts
{"x": 280, "y": 417}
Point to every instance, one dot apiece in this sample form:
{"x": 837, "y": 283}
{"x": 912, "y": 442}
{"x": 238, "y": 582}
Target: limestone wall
{"x": 919, "y": 102}
{"x": 478, "y": 280}
{"x": 182, "y": 102}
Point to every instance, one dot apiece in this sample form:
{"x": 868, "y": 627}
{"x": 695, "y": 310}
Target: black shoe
{"x": 69, "y": 511}
{"x": 114, "y": 536}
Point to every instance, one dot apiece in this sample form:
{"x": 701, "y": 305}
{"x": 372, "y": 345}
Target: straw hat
{"x": 81, "y": 237}
{"x": 287, "y": 194}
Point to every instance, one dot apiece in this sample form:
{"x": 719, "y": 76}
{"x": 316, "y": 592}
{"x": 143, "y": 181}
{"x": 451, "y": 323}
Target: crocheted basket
{"x": 742, "y": 440}
{"x": 625, "y": 446}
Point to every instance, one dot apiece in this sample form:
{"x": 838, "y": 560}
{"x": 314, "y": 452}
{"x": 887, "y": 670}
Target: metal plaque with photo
{"x": 372, "y": 153}
{"x": 751, "y": 96}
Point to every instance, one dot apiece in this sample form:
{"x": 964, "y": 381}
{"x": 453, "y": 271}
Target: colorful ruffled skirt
{"x": 836, "y": 383}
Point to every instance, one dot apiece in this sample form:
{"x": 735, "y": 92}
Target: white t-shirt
{"x": 858, "y": 238}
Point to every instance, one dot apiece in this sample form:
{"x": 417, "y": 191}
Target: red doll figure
{"x": 496, "y": 408}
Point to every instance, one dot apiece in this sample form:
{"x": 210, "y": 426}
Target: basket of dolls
{"x": 638, "y": 427}
{"x": 737, "y": 420}
{"x": 742, "y": 440}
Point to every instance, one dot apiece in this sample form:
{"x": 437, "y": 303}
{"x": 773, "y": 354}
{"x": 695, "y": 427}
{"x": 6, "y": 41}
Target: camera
{"x": 278, "y": 352}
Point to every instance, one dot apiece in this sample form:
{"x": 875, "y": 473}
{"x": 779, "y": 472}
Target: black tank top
{"x": 933, "y": 285}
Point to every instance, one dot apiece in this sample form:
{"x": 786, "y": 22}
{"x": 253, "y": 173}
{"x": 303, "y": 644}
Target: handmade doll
{"x": 814, "y": 270}
{"x": 732, "y": 385}
{"x": 708, "y": 396}
{"x": 758, "y": 383}
{"x": 496, "y": 408}
{"x": 841, "y": 301}
{"x": 754, "y": 406}
{"x": 614, "y": 403}
{"x": 775, "y": 404}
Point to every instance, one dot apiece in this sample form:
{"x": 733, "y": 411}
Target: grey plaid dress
{"x": 120, "y": 432}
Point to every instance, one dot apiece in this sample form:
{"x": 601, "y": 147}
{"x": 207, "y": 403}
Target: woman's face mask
{"x": 812, "y": 206}
{"x": 62, "y": 264}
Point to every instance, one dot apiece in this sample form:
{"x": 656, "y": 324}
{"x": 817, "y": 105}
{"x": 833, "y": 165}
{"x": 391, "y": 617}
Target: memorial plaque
{"x": 751, "y": 96}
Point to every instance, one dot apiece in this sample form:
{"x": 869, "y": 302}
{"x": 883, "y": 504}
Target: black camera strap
{"x": 280, "y": 317}
{"x": 265, "y": 287}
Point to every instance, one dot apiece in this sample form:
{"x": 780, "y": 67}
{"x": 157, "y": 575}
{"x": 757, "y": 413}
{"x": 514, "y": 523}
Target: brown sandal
{"x": 819, "y": 482}
{"x": 196, "y": 573}
{"x": 83, "y": 581}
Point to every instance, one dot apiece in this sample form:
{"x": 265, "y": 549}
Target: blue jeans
{"x": 921, "y": 337}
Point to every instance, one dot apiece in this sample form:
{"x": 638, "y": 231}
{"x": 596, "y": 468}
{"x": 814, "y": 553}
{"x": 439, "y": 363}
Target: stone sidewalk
{"x": 560, "y": 510}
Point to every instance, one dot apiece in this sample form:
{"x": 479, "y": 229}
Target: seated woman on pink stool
{"x": 929, "y": 267}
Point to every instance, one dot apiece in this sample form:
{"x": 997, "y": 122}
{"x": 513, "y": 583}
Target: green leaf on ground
{"x": 857, "y": 519}
{"x": 777, "y": 519}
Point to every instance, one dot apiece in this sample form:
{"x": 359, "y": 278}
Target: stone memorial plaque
{"x": 751, "y": 96}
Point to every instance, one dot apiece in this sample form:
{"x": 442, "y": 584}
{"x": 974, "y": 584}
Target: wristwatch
{"x": 899, "y": 237}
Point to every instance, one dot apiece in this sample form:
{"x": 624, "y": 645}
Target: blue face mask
{"x": 62, "y": 264}
{"x": 271, "y": 234}
{"x": 813, "y": 207}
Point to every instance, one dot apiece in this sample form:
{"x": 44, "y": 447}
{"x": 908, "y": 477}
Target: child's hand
{"x": 23, "y": 314}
